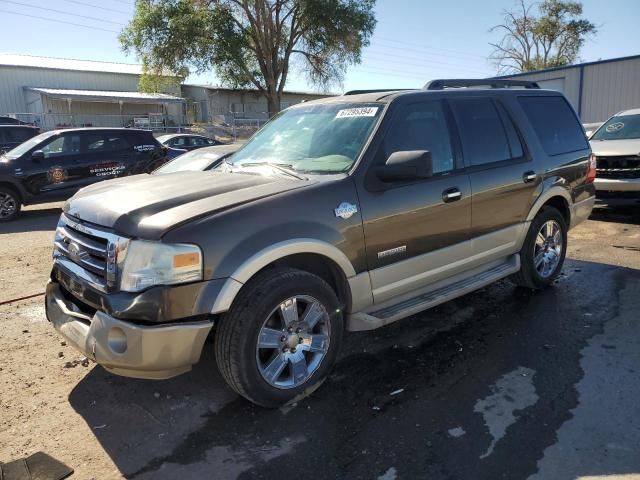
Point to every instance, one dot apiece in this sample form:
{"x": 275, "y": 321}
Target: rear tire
{"x": 280, "y": 338}
{"x": 10, "y": 204}
{"x": 544, "y": 249}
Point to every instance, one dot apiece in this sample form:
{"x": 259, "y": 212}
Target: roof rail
{"x": 480, "y": 82}
{"x": 381, "y": 90}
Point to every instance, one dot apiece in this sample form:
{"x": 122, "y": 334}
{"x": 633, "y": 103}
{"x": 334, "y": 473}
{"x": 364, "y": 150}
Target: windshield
{"x": 623, "y": 127}
{"x": 28, "y": 145}
{"x": 193, "y": 161}
{"x": 325, "y": 138}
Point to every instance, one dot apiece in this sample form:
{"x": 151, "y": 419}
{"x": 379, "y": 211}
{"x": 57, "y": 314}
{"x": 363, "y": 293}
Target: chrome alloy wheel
{"x": 293, "y": 341}
{"x": 547, "y": 250}
{"x": 8, "y": 205}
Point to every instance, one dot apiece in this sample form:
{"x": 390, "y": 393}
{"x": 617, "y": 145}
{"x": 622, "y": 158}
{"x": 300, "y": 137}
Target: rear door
{"x": 416, "y": 231}
{"x": 504, "y": 178}
{"x": 106, "y": 154}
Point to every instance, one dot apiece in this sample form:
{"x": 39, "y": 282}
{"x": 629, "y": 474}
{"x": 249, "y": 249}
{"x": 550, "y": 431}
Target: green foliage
{"x": 251, "y": 43}
{"x": 550, "y": 37}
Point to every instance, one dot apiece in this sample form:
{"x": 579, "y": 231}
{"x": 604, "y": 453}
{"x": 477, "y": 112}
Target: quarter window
{"x": 555, "y": 124}
{"x": 482, "y": 132}
{"x": 422, "y": 126}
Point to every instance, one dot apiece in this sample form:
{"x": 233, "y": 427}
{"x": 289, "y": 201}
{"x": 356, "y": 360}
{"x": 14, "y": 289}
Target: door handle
{"x": 528, "y": 177}
{"x": 451, "y": 195}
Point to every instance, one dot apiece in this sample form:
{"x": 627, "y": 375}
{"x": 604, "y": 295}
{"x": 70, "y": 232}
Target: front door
{"x": 416, "y": 231}
{"x": 55, "y": 176}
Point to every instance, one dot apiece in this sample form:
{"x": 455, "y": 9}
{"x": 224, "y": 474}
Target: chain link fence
{"x": 234, "y": 126}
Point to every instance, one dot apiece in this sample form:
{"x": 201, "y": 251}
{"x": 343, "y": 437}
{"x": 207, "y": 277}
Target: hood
{"x": 612, "y": 148}
{"x": 147, "y": 206}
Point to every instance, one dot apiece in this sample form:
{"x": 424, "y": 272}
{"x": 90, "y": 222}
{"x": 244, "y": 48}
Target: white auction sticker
{"x": 357, "y": 112}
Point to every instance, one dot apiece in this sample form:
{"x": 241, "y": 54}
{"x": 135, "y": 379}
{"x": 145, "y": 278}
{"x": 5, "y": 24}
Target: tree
{"x": 550, "y": 37}
{"x": 251, "y": 43}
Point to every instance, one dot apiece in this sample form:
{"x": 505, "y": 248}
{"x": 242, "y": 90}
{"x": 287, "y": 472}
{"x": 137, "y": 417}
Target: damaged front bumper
{"x": 124, "y": 348}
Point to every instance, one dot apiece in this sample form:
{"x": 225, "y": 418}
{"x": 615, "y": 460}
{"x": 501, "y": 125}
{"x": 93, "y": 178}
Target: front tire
{"x": 10, "y": 204}
{"x": 280, "y": 338}
{"x": 544, "y": 249}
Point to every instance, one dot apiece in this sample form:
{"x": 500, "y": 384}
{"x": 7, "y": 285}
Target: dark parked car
{"x": 187, "y": 141}
{"x": 4, "y": 120}
{"x": 13, "y": 135}
{"x": 54, "y": 165}
{"x": 202, "y": 159}
{"x": 346, "y": 213}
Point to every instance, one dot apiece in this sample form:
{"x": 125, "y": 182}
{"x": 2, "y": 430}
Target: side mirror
{"x": 406, "y": 165}
{"x": 37, "y": 155}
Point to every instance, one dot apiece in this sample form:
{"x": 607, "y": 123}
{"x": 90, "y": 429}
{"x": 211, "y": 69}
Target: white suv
{"x": 616, "y": 144}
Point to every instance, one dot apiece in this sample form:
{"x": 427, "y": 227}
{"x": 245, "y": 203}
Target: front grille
{"x": 619, "y": 167}
{"x": 87, "y": 251}
{"x": 90, "y": 253}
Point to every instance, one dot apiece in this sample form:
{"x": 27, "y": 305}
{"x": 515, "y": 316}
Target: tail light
{"x": 591, "y": 170}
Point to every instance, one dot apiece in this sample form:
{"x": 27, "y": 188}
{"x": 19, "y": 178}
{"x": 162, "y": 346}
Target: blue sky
{"x": 415, "y": 40}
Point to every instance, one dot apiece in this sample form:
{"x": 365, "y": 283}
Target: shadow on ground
{"x": 629, "y": 215}
{"x": 443, "y": 361}
{"x": 33, "y": 220}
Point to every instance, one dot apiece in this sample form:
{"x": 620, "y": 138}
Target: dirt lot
{"x": 501, "y": 383}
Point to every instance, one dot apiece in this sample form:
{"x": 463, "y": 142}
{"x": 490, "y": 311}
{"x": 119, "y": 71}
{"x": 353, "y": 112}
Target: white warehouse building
{"x": 59, "y": 93}
{"x": 596, "y": 90}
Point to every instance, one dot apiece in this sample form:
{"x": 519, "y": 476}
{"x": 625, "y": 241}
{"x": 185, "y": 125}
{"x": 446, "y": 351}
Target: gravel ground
{"x": 501, "y": 383}
{"x": 26, "y": 247}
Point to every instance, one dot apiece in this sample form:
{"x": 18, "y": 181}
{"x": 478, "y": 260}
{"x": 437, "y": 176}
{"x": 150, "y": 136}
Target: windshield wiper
{"x": 284, "y": 168}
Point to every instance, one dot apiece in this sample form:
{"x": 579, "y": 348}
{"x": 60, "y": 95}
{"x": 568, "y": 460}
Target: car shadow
{"x": 33, "y": 220}
{"x": 390, "y": 400}
{"x": 629, "y": 215}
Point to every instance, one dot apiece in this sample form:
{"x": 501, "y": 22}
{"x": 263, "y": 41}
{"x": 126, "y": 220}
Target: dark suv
{"x": 54, "y": 165}
{"x": 346, "y": 213}
{"x": 13, "y": 135}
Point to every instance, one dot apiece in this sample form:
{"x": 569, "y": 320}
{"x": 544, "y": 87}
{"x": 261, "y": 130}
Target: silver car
{"x": 616, "y": 144}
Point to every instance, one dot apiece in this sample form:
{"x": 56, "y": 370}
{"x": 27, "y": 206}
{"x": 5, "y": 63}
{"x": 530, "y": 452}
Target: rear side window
{"x": 482, "y": 132}
{"x": 555, "y": 124}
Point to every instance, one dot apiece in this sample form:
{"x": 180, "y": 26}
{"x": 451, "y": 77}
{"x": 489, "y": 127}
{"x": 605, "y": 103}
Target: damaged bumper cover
{"x": 124, "y": 348}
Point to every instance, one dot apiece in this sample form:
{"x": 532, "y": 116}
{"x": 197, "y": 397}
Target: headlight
{"x": 152, "y": 263}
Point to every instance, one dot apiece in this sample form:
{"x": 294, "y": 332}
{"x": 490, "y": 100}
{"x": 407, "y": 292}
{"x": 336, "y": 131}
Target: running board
{"x": 382, "y": 315}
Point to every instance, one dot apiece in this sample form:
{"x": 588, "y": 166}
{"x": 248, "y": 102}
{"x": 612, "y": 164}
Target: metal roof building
{"x": 596, "y": 90}
{"x": 58, "y": 92}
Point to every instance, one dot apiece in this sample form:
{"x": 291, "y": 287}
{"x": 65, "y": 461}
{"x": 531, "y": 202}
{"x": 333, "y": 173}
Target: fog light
{"x": 117, "y": 340}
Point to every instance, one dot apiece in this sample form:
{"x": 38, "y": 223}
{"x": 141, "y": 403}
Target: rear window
{"x": 555, "y": 124}
{"x": 482, "y": 132}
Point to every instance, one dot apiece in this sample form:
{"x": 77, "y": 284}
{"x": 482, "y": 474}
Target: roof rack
{"x": 480, "y": 82}
{"x": 381, "y": 90}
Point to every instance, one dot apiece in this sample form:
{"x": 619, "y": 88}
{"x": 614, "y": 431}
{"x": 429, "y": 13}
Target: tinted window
{"x": 512, "y": 135}
{"x": 19, "y": 135}
{"x": 483, "y": 136}
{"x": 104, "y": 142}
{"x": 422, "y": 126}
{"x": 62, "y": 146}
{"x": 198, "y": 141}
{"x": 179, "y": 142}
{"x": 555, "y": 124}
